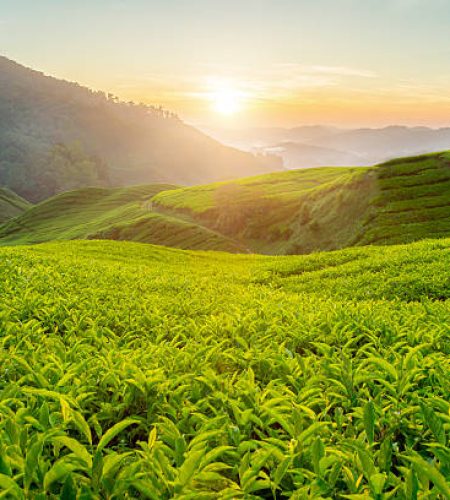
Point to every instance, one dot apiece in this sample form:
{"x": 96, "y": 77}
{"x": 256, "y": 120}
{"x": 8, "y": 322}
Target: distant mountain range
{"x": 310, "y": 146}
{"x": 56, "y": 135}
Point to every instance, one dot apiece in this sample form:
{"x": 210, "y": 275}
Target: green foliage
{"x": 293, "y": 212}
{"x": 133, "y": 371}
{"x": 286, "y": 186}
{"x": 67, "y": 166}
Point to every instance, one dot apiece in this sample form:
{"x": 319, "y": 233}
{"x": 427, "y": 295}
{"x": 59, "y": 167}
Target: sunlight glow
{"x": 226, "y": 100}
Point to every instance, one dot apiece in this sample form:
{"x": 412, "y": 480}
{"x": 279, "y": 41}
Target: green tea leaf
{"x": 57, "y": 472}
{"x": 76, "y": 447}
{"x": 369, "y": 420}
{"x": 116, "y": 429}
{"x": 430, "y": 471}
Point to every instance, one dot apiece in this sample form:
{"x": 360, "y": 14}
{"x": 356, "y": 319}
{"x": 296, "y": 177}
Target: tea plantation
{"x": 136, "y": 371}
{"x": 282, "y": 213}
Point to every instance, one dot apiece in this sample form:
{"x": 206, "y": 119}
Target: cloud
{"x": 343, "y": 71}
{"x": 281, "y": 78}
{"x": 275, "y": 82}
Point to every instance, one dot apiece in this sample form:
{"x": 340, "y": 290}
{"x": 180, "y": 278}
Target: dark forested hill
{"x": 56, "y": 135}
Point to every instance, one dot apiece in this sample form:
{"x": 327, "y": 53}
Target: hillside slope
{"x": 325, "y": 208}
{"x": 117, "y": 213}
{"x": 236, "y": 376}
{"x": 291, "y": 212}
{"x": 56, "y": 135}
{"x": 11, "y": 205}
{"x": 298, "y": 211}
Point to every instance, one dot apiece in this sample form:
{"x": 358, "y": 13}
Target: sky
{"x": 249, "y": 62}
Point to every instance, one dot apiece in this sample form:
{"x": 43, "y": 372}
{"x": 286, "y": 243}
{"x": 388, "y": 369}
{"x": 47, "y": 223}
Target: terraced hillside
{"x": 135, "y": 371}
{"x": 11, "y": 205}
{"x": 118, "y": 214}
{"x": 413, "y": 201}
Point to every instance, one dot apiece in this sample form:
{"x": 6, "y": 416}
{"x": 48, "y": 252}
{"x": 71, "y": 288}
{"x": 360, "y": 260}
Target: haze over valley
{"x": 316, "y": 145}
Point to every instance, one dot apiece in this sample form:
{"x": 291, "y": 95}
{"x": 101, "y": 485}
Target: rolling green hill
{"x": 298, "y": 211}
{"x": 292, "y": 212}
{"x": 11, "y": 205}
{"x": 135, "y": 371}
{"x": 119, "y": 214}
{"x": 325, "y": 208}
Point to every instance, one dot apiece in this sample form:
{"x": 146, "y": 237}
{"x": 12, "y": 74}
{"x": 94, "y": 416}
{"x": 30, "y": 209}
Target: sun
{"x": 227, "y": 101}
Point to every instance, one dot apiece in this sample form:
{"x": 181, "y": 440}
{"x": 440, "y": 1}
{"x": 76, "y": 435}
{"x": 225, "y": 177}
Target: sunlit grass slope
{"x": 286, "y": 186}
{"x": 296, "y": 211}
{"x": 135, "y": 371}
{"x": 11, "y": 205}
{"x": 121, "y": 213}
{"x": 325, "y": 208}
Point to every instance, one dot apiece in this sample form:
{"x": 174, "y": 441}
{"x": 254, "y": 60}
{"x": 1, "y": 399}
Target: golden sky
{"x": 295, "y": 94}
{"x": 247, "y": 62}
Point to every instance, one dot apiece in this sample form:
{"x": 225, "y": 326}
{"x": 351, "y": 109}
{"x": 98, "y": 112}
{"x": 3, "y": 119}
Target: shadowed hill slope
{"x": 291, "y": 212}
{"x": 56, "y": 136}
{"x": 11, "y": 205}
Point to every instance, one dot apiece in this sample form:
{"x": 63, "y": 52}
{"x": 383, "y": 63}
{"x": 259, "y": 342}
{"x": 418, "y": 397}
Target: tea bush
{"x": 134, "y": 371}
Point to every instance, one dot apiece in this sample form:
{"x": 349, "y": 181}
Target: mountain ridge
{"x": 357, "y": 146}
